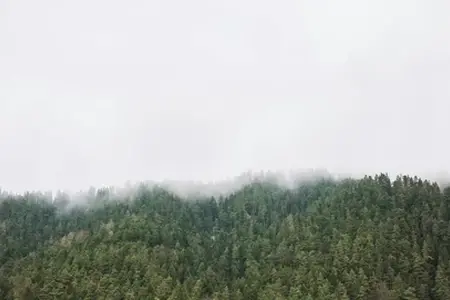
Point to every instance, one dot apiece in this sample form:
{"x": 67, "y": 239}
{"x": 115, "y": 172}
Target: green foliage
{"x": 354, "y": 239}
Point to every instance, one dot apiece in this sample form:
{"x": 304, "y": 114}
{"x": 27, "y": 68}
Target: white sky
{"x": 99, "y": 92}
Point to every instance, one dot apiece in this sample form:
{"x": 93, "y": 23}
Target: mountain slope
{"x": 352, "y": 239}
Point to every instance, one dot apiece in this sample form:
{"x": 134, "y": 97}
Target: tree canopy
{"x": 370, "y": 238}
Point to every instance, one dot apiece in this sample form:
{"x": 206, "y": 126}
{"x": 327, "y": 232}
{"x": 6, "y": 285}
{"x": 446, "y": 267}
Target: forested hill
{"x": 371, "y": 238}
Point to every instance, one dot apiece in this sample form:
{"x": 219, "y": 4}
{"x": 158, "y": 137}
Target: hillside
{"x": 372, "y": 238}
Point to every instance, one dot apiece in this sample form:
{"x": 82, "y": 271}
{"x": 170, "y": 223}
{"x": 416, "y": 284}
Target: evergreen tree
{"x": 372, "y": 238}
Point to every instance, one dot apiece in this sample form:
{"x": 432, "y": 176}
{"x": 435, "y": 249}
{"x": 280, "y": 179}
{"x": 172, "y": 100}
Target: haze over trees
{"x": 370, "y": 238}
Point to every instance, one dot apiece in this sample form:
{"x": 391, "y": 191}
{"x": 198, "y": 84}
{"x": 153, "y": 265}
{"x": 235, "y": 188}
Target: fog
{"x": 102, "y": 92}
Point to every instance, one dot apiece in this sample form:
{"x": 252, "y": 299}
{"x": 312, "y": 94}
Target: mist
{"x": 186, "y": 190}
{"x": 98, "y": 93}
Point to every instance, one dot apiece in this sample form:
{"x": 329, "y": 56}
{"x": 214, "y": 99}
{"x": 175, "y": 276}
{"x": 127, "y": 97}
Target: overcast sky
{"x": 99, "y": 92}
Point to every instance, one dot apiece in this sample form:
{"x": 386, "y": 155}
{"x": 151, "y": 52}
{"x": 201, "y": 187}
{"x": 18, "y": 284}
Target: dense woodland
{"x": 371, "y": 238}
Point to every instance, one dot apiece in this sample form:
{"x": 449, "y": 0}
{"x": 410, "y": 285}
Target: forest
{"x": 370, "y": 238}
